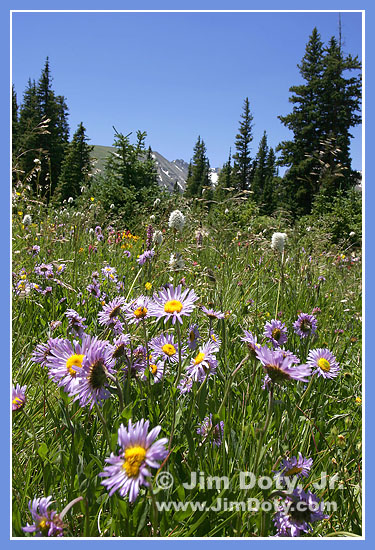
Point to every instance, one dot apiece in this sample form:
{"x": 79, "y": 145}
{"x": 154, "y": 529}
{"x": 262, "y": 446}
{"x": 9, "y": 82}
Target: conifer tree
{"x": 199, "y": 178}
{"x": 15, "y": 123}
{"x": 242, "y": 159}
{"x": 260, "y": 172}
{"x": 75, "y": 167}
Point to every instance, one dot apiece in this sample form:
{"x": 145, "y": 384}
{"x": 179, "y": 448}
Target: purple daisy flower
{"x": 42, "y": 351}
{"x": 276, "y": 332}
{"x": 139, "y": 451}
{"x": 305, "y": 325}
{"x": 205, "y": 362}
{"x": 75, "y": 322}
{"x": 108, "y": 317}
{"x": 286, "y": 353}
{"x": 146, "y": 256}
{"x": 94, "y": 289}
{"x": 213, "y": 314}
{"x": 280, "y": 368}
{"x": 35, "y": 250}
{"x": 215, "y": 433}
{"x": 157, "y": 369}
{"x": 215, "y": 340}
{"x": 166, "y": 348}
{"x": 193, "y": 337}
{"x": 109, "y": 273}
{"x": 92, "y": 376}
{"x": 18, "y": 397}
{"x": 45, "y": 270}
{"x": 47, "y": 523}
{"x": 172, "y": 303}
{"x": 119, "y": 348}
{"x": 64, "y": 360}
{"x": 61, "y": 268}
{"x": 137, "y": 310}
{"x": 127, "y": 253}
{"x": 251, "y": 341}
{"x": 294, "y": 466}
{"x": 297, "y": 512}
{"x": 324, "y": 361}
{"x": 185, "y": 385}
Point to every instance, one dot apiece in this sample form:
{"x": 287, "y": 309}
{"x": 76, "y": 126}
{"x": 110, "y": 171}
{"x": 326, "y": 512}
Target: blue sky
{"x": 175, "y": 75}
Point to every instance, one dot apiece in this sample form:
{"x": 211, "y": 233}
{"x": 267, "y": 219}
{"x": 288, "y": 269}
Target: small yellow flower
{"x": 17, "y": 193}
{"x": 92, "y": 199}
{"x": 358, "y": 400}
{"x": 20, "y": 213}
{"x": 80, "y": 250}
{"x": 148, "y": 286}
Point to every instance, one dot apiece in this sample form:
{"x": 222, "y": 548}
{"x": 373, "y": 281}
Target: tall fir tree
{"x": 270, "y": 198}
{"x": 29, "y": 128}
{"x": 54, "y": 109}
{"x": 260, "y": 171}
{"x": 15, "y": 122}
{"x": 242, "y": 168}
{"x": 76, "y": 166}
{"x": 224, "y": 182}
{"x": 199, "y": 179}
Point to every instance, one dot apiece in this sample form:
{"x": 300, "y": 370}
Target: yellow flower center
{"x": 140, "y": 312}
{"x": 19, "y": 402}
{"x": 74, "y": 361}
{"x": 154, "y": 369}
{"x": 133, "y": 460}
{"x": 199, "y": 358}
{"x": 173, "y": 305}
{"x": 213, "y": 337}
{"x": 44, "y": 526}
{"x": 293, "y": 471}
{"x": 324, "y": 364}
{"x": 169, "y": 349}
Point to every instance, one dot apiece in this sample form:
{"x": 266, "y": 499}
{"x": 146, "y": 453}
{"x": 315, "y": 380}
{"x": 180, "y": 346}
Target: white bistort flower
{"x": 157, "y": 237}
{"x": 70, "y": 200}
{"x": 176, "y": 220}
{"x": 27, "y": 220}
{"x": 176, "y": 261}
{"x": 278, "y": 241}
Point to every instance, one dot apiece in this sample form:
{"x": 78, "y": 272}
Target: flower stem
{"x": 265, "y": 428}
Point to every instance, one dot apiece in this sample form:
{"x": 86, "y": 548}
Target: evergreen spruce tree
{"x": 75, "y": 167}
{"x": 242, "y": 159}
{"x": 270, "y": 198}
{"x": 224, "y": 182}
{"x": 198, "y": 178}
{"x": 15, "y": 124}
{"x": 260, "y": 172}
{"x": 52, "y": 108}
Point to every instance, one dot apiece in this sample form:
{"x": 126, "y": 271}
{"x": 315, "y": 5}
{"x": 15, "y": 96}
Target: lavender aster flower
{"x": 193, "y": 337}
{"x": 35, "y": 250}
{"x": 251, "y": 341}
{"x": 64, "y": 360}
{"x": 109, "y": 273}
{"x": 213, "y": 314}
{"x": 305, "y": 325}
{"x": 146, "y": 256}
{"x": 157, "y": 369}
{"x": 75, "y": 322}
{"x": 139, "y": 452}
{"x": 215, "y": 433}
{"x": 18, "y": 397}
{"x": 92, "y": 376}
{"x": 46, "y": 270}
{"x": 205, "y": 362}
{"x": 294, "y": 466}
{"x": 172, "y": 303}
{"x": 280, "y": 368}
{"x": 166, "y": 348}
{"x": 137, "y": 310}
{"x": 108, "y": 317}
{"x": 119, "y": 348}
{"x": 185, "y": 385}
{"x": 47, "y": 523}
{"x": 324, "y": 361}
{"x": 215, "y": 340}
{"x": 42, "y": 351}
{"x": 276, "y": 332}
{"x": 297, "y": 512}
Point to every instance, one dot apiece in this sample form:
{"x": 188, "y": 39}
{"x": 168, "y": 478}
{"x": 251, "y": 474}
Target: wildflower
{"x": 118, "y": 349}
{"x": 324, "y": 362}
{"x": 61, "y": 268}
{"x": 216, "y": 433}
{"x": 165, "y": 347}
{"x": 109, "y": 273}
{"x": 193, "y": 337}
{"x": 137, "y": 310}
{"x": 75, "y": 322}
{"x": 280, "y": 368}
{"x": 146, "y": 256}
{"x": 158, "y": 237}
{"x": 23, "y": 288}
{"x": 358, "y": 401}
{"x": 108, "y": 317}
{"x": 156, "y": 202}
{"x": 27, "y": 220}
{"x": 294, "y": 466}
{"x": 46, "y": 270}
{"x": 46, "y": 522}
{"x": 276, "y": 332}
{"x": 94, "y": 289}
{"x": 278, "y": 241}
{"x": 70, "y": 200}
{"x": 176, "y": 261}
{"x": 297, "y": 512}
{"x": 157, "y": 370}
{"x": 42, "y": 351}
{"x": 305, "y": 325}
{"x": 213, "y": 314}
{"x": 149, "y": 235}
{"x": 18, "y": 397}
{"x": 185, "y": 385}
{"x": 139, "y": 451}
{"x": 127, "y": 253}
{"x": 172, "y": 303}
{"x": 54, "y": 325}
{"x": 148, "y": 286}
{"x": 251, "y": 340}
{"x": 35, "y": 250}
{"x": 92, "y": 376}
{"x": 204, "y": 363}
{"x": 64, "y": 359}
{"x": 176, "y": 220}
{"x": 215, "y": 340}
